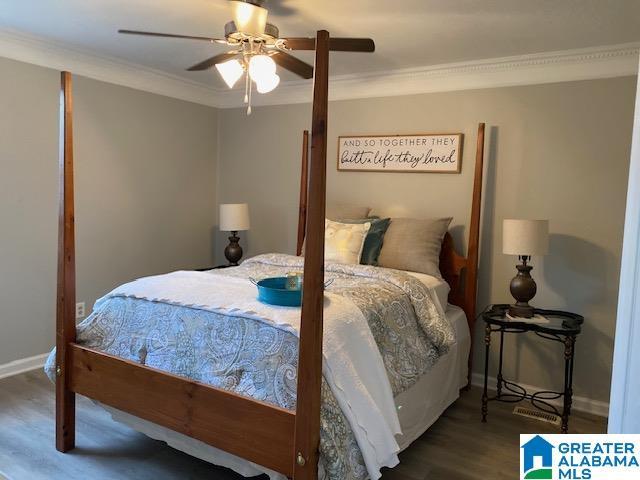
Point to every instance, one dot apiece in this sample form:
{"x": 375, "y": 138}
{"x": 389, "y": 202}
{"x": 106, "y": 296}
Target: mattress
{"x": 418, "y": 407}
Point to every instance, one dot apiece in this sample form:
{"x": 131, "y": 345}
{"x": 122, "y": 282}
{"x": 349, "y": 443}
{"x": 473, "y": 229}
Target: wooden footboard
{"x": 251, "y": 429}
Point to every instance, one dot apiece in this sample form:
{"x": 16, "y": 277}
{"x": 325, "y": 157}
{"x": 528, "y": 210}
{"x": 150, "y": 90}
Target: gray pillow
{"x": 414, "y": 244}
{"x": 338, "y": 212}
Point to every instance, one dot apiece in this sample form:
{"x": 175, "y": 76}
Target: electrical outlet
{"x": 80, "y": 310}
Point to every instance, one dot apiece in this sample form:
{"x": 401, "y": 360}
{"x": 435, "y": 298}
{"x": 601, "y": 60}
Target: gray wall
{"x": 147, "y": 168}
{"x": 558, "y": 151}
{"x": 145, "y": 194}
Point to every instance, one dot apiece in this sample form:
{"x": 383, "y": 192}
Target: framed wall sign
{"x": 435, "y": 153}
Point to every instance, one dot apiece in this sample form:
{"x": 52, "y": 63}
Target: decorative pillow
{"x": 338, "y": 212}
{"x": 343, "y": 242}
{"x": 375, "y": 237}
{"x": 414, "y": 244}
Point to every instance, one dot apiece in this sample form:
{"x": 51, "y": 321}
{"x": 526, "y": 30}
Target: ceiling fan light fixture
{"x": 250, "y": 19}
{"x": 256, "y": 43}
{"x": 261, "y": 67}
{"x": 268, "y": 83}
{"x": 230, "y": 71}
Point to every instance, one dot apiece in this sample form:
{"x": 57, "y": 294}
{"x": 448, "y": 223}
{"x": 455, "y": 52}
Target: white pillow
{"x": 343, "y": 242}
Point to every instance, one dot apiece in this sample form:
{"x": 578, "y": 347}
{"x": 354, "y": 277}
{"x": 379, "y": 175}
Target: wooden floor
{"x": 457, "y": 447}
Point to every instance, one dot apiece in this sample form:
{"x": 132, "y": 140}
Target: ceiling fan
{"x": 258, "y": 48}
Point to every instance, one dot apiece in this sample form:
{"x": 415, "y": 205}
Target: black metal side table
{"x": 562, "y": 327}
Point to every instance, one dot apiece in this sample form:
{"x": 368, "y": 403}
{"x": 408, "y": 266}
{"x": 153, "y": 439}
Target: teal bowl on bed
{"x": 274, "y": 292}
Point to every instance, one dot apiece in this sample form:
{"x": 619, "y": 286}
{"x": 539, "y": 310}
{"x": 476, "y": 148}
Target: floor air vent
{"x": 537, "y": 415}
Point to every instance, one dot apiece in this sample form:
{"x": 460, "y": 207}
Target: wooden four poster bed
{"x": 279, "y": 439}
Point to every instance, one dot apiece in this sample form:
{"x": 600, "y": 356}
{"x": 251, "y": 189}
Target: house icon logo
{"x": 537, "y": 459}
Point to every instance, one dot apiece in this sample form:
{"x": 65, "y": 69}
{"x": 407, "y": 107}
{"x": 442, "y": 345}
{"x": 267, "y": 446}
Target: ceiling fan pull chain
{"x": 250, "y": 90}
{"x": 249, "y": 83}
{"x": 246, "y": 88}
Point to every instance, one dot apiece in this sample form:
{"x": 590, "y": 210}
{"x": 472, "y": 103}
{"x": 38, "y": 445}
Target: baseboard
{"x": 582, "y": 404}
{"x": 23, "y": 365}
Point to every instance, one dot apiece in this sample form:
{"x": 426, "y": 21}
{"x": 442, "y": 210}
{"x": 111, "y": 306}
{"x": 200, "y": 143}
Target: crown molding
{"x": 548, "y": 67}
{"x": 46, "y": 53}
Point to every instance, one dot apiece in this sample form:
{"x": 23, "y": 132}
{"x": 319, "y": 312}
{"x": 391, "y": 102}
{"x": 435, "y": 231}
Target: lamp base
{"x": 233, "y": 251}
{"x": 523, "y": 311}
{"x": 523, "y": 288}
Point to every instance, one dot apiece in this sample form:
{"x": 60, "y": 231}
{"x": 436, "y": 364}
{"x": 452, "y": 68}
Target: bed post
{"x": 307, "y": 427}
{"x": 471, "y": 272}
{"x": 66, "y": 294}
{"x": 302, "y": 208}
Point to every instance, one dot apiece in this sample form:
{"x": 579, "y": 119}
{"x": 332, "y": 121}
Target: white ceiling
{"x": 408, "y": 33}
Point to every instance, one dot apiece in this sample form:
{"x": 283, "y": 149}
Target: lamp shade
{"x": 234, "y": 217}
{"x": 525, "y": 237}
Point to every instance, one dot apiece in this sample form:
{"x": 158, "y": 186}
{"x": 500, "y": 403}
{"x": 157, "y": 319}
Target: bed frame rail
{"x": 66, "y": 292}
{"x": 208, "y": 414}
{"x": 307, "y": 435}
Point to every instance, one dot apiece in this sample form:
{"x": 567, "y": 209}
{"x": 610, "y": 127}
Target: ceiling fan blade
{"x": 171, "y": 35}
{"x": 352, "y": 45}
{"x": 293, "y": 64}
{"x": 210, "y": 62}
{"x": 335, "y": 44}
{"x": 298, "y": 43}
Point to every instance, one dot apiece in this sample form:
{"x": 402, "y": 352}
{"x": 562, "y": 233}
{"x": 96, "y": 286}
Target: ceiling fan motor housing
{"x": 257, "y": 3}
{"x": 270, "y": 35}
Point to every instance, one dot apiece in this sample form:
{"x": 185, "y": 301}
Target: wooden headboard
{"x": 461, "y": 273}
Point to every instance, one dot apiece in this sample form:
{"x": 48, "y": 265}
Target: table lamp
{"x": 234, "y": 217}
{"x": 524, "y": 238}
